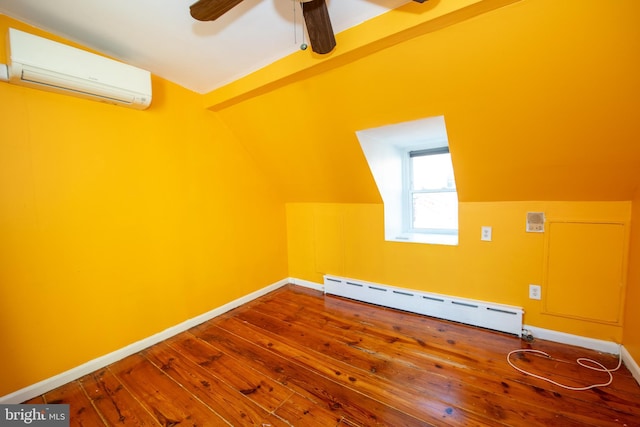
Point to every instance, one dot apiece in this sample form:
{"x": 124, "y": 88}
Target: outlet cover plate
{"x": 486, "y": 233}
{"x": 535, "y": 292}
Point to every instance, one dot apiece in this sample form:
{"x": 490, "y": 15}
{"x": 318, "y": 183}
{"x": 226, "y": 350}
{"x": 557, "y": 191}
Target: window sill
{"x": 424, "y": 238}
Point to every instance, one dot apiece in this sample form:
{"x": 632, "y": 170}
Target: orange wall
{"x": 632, "y": 314}
{"x": 117, "y": 224}
{"x": 348, "y": 240}
{"x": 120, "y": 223}
{"x": 540, "y": 100}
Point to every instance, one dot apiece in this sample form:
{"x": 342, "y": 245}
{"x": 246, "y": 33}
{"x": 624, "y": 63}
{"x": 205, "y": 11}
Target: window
{"x": 431, "y": 201}
{"x": 412, "y": 167}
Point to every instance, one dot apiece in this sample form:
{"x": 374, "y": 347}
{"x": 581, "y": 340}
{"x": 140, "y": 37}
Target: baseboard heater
{"x": 498, "y": 317}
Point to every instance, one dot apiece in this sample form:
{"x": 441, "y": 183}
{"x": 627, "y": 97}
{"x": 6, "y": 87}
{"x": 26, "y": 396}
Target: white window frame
{"x": 408, "y": 191}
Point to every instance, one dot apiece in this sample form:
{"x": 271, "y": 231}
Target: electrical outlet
{"x": 535, "y": 292}
{"x": 486, "y": 234}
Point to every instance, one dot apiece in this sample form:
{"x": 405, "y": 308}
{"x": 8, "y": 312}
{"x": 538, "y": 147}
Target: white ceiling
{"x": 162, "y": 37}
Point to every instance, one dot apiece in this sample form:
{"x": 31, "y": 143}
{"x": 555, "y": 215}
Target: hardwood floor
{"x": 295, "y": 357}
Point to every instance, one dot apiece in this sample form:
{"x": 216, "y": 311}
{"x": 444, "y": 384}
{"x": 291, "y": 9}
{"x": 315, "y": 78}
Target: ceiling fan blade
{"x": 210, "y": 10}
{"x": 316, "y": 17}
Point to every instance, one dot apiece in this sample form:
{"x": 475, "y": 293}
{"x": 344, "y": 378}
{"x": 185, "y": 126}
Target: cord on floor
{"x": 582, "y": 361}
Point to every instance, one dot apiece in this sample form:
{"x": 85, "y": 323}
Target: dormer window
{"x": 412, "y": 166}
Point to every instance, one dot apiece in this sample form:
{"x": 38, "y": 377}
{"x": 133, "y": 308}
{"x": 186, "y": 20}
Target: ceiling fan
{"x": 315, "y": 13}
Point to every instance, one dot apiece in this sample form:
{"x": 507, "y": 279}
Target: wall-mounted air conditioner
{"x": 44, "y": 64}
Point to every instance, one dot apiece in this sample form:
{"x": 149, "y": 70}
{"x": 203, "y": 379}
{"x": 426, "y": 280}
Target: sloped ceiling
{"x": 162, "y": 37}
{"x": 541, "y": 100}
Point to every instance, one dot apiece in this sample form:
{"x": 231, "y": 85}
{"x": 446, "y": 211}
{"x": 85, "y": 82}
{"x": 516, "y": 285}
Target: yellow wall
{"x": 540, "y": 100}
{"x": 347, "y": 240}
{"x": 116, "y": 224}
{"x": 631, "y": 337}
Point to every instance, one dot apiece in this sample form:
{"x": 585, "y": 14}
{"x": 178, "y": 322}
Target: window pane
{"x": 432, "y": 172}
{"x": 435, "y": 210}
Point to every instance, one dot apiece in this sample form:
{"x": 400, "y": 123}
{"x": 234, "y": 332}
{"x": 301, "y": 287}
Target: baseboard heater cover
{"x": 498, "y": 317}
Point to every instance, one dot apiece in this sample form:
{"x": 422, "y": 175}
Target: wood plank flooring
{"x": 298, "y": 358}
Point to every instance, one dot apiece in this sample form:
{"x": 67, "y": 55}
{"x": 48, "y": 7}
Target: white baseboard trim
{"x": 307, "y": 284}
{"x": 631, "y": 364}
{"x": 73, "y": 374}
{"x": 577, "y": 340}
